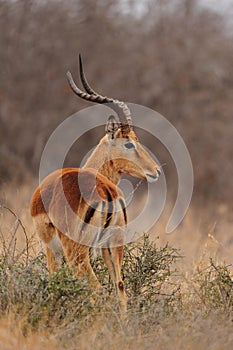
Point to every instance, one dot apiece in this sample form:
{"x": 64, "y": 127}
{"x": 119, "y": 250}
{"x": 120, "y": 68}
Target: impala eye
{"x": 129, "y": 145}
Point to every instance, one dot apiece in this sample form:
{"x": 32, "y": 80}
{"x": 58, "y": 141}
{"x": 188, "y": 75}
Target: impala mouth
{"x": 152, "y": 178}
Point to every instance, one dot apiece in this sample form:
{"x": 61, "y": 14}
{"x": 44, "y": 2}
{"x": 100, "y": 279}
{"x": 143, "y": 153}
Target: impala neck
{"x": 100, "y": 159}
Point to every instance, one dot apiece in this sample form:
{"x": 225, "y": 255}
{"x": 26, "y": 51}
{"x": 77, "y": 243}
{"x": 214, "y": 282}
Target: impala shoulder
{"x": 108, "y": 189}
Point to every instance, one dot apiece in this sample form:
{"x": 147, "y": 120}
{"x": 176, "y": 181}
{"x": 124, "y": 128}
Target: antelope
{"x": 70, "y": 202}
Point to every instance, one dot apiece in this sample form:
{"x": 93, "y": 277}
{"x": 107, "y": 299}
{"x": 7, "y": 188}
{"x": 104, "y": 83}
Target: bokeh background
{"x": 173, "y": 56}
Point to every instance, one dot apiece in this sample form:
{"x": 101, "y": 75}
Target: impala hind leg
{"x": 113, "y": 260}
{"x": 77, "y": 255}
{"x": 52, "y": 263}
{"x": 47, "y": 234}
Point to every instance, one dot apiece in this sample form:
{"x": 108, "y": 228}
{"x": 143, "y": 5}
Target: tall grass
{"x": 49, "y": 300}
{"x": 165, "y": 305}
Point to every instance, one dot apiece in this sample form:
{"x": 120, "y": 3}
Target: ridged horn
{"x": 119, "y": 107}
{"x": 83, "y": 78}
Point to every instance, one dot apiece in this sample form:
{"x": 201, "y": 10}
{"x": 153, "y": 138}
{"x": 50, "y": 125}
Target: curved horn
{"x": 84, "y": 81}
{"x": 119, "y": 107}
{"x": 85, "y": 95}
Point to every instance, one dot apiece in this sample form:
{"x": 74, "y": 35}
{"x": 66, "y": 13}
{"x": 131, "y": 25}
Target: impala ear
{"x": 112, "y": 127}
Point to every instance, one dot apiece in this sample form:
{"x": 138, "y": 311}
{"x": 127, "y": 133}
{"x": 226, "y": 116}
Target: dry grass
{"x": 191, "y": 332}
{"x": 11, "y": 337}
{"x": 186, "y": 305}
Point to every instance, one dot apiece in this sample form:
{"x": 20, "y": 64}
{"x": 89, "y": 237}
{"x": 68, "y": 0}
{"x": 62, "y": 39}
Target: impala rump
{"x": 81, "y": 203}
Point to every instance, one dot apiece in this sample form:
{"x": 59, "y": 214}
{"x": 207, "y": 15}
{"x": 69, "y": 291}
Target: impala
{"x": 70, "y": 202}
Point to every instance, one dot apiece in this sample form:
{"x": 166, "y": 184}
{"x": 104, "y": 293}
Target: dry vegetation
{"x": 178, "y": 60}
{"x": 178, "y": 298}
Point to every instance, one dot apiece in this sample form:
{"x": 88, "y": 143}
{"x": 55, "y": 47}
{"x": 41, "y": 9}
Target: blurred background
{"x": 173, "y": 56}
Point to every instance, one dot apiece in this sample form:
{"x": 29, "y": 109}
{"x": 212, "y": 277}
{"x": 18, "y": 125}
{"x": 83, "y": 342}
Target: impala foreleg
{"x": 113, "y": 260}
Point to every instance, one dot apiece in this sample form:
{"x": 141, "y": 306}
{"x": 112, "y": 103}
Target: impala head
{"x": 124, "y": 152}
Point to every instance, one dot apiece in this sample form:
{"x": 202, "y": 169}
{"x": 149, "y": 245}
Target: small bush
{"x": 215, "y": 287}
{"x": 147, "y": 269}
{"x": 45, "y": 300}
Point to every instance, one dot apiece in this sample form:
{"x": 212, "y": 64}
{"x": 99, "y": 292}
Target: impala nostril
{"x": 158, "y": 172}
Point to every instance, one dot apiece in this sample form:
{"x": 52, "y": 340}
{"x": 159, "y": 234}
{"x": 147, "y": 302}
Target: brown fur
{"x": 71, "y": 207}
{"x": 76, "y": 208}
{"x": 67, "y": 178}
{"x": 48, "y": 209}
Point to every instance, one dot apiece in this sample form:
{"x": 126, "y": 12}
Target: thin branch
{"x": 18, "y": 223}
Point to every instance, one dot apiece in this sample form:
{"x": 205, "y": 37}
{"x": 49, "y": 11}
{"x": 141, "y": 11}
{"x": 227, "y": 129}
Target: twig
{"x": 18, "y": 223}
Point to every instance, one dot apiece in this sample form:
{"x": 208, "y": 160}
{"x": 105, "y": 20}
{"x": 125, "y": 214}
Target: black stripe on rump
{"x": 89, "y": 214}
{"x": 109, "y": 210}
{"x": 123, "y": 209}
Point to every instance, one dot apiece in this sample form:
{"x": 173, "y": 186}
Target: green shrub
{"x": 42, "y": 298}
{"x": 147, "y": 269}
{"x": 215, "y": 287}
{"x": 46, "y": 300}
